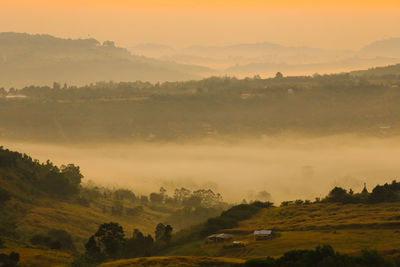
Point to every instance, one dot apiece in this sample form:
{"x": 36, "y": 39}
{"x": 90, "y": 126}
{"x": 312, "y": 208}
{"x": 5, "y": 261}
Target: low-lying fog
{"x": 288, "y": 168}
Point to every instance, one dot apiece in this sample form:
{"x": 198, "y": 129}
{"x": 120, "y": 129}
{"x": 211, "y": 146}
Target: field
{"x": 348, "y": 228}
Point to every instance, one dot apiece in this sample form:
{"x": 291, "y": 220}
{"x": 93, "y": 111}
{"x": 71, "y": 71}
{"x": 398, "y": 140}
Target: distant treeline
{"x": 216, "y": 107}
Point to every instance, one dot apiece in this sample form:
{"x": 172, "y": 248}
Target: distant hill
{"x": 266, "y": 58}
{"x": 379, "y": 71}
{"x": 384, "y": 48}
{"x": 42, "y": 59}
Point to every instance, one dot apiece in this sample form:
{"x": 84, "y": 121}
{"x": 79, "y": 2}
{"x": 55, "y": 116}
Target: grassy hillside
{"x": 348, "y": 228}
{"x": 174, "y": 261}
{"x": 37, "y": 198}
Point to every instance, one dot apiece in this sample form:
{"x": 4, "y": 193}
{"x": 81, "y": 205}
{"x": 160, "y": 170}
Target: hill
{"x": 253, "y": 107}
{"x": 43, "y": 59}
{"x": 40, "y": 202}
{"x": 266, "y": 58}
{"x": 348, "y": 228}
{"x": 377, "y": 72}
{"x": 384, "y": 48}
{"x": 174, "y": 261}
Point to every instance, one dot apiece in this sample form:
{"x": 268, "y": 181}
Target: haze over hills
{"x": 268, "y": 58}
{"x": 42, "y": 59}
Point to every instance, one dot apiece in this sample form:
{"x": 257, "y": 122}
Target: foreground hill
{"x": 175, "y": 261}
{"x": 39, "y": 202}
{"x": 346, "y": 227}
{"x": 42, "y": 59}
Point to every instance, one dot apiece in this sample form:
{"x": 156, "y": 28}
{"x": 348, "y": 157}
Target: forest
{"x": 217, "y": 107}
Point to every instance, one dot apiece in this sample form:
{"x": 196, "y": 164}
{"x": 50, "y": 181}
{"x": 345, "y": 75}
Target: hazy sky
{"x": 325, "y": 24}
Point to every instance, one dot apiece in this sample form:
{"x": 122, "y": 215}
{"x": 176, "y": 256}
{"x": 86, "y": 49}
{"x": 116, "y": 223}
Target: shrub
{"x": 320, "y": 257}
{"x": 63, "y": 237}
{"x": 55, "y": 239}
{"x": 10, "y": 260}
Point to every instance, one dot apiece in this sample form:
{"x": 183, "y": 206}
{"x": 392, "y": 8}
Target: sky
{"x": 326, "y": 24}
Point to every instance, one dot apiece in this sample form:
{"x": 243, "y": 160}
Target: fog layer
{"x": 288, "y": 168}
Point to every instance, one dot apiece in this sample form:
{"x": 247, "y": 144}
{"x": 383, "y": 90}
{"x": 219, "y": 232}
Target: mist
{"x": 287, "y": 167}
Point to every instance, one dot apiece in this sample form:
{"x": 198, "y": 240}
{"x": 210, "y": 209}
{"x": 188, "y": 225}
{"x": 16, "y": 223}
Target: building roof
{"x": 262, "y": 232}
{"x": 222, "y": 236}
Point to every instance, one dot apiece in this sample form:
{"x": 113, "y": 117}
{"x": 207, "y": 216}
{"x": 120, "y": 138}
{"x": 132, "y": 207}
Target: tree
{"x": 163, "y": 233}
{"x": 107, "y": 242}
{"x": 139, "y": 245}
{"x": 73, "y": 174}
{"x": 56, "y": 86}
{"x": 338, "y": 194}
{"x": 382, "y": 193}
{"x": 156, "y": 198}
{"x": 181, "y": 194}
{"x": 278, "y": 75}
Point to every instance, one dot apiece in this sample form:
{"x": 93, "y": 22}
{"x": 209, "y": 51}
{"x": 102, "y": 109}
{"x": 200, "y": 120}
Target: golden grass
{"x": 325, "y": 216}
{"x": 348, "y": 228}
{"x": 30, "y": 257}
{"x": 173, "y": 261}
{"x": 81, "y": 222}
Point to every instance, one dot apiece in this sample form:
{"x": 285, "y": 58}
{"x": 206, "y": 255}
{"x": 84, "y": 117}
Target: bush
{"x": 45, "y": 240}
{"x": 55, "y": 239}
{"x": 63, "y": 237}
{"x": 10, "y": 260}
{"x": 4, "y": 196}
{"x": 320, "y": 257}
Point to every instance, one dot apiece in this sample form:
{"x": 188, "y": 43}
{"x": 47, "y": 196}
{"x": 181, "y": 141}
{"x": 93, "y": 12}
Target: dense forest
{"x": 359, "y": 102}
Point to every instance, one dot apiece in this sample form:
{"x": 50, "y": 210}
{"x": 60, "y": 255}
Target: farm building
{"x": 262, "y": 234}
{"x": 219, "y": 237}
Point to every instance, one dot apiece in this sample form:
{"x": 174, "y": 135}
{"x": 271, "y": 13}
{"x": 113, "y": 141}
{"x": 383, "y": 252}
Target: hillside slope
{"x": 178, "y": 261}
{"x": 43, "y": 59}
{"x": 35, "y": 200}
{"x": 348, "y": 228}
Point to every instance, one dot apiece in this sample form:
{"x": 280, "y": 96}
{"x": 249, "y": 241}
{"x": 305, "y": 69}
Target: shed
{"x": 262, "y": 234}
{"x": 219, "y": 237}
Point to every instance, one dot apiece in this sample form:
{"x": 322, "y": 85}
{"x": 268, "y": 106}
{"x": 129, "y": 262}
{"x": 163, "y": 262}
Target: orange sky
{"x": 326, "y": 24}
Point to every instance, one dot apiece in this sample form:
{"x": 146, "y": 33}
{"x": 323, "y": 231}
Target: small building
{"x": 262, "y": 234}
{"x": 219, "y": 237}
